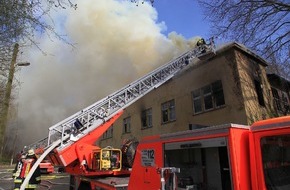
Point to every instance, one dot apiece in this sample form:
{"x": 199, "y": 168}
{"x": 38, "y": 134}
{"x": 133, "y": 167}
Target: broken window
{"x": 259, "y": 92}
{"x": 281, "y": 101}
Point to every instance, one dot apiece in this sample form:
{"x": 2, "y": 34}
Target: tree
{"x": 20, "y": 20}
{"x": 142, "y": 1}
{"x": 262, "y": 25}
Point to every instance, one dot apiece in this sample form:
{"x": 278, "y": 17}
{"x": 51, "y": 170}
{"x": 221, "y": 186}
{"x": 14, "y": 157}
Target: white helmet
{"x": 23, "y": 156}
{"x": 30, "y": 152}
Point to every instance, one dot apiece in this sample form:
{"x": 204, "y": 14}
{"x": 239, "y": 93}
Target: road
{"x": 55, "y": 181}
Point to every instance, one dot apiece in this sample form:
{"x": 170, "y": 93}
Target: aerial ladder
{"x": 69, "y": 139}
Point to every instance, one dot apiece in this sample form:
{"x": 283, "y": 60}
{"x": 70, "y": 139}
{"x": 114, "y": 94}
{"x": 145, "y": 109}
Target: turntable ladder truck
{"x": 70, "y": 143}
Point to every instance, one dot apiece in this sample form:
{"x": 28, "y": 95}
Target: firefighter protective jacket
{"x": 21, "y": 171}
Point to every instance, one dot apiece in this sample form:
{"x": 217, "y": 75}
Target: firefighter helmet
{"x": 23, "y": 156}
{"x": 30, "y": 152}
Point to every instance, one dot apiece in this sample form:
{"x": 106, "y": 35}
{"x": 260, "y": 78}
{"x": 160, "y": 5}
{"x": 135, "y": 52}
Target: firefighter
{"x": 200, "y": 42}
{"x": 22, "y": 169}
{"x": 201, "y": 45}
{"x": 17, "y": 172}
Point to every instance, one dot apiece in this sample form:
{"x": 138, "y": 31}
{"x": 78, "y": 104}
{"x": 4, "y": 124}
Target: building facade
{"x": 231, "y": 87}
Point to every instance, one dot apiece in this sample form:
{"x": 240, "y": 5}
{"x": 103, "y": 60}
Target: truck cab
{"x": 270, "y": 161}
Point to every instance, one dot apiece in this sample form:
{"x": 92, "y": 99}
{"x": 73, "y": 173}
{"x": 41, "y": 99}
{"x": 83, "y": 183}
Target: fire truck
{"x": 229, "y": 156}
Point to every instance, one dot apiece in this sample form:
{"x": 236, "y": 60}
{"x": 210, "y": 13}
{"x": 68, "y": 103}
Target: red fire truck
{"x": 218, "y": 157}
{"x": 223, "y": 157}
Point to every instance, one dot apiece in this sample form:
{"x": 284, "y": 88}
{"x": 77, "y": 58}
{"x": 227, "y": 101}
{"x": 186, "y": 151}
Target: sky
{"x": 184, "y": 17}
{"x": 115, "y": 42}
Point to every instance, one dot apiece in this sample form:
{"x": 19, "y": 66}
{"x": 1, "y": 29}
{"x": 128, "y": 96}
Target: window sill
{"x": 167, "y": 122}
{"x": 144, "y": 128}
{"x": 210, "y": 110}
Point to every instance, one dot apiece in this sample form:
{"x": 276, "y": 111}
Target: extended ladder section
{"x": 88, "y": 119}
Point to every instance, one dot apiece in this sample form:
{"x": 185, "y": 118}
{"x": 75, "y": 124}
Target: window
{"x": 218, "y": 93}
{"x": 277, "y": 100}
{"x": 276, "y": 161}
{"x": 281, "y": 101}
{"x": 197, "y": 105}
{"x": 168, "y": 111}
{"x": 127, "y": 125}
{"x": 259, "y": 92}
{"x": 109, "y": 133}
{"x": 208, "y": 97}
{"x": 146, "y": 118}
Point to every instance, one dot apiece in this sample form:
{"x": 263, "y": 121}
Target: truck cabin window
{"x": 276, "y": 161}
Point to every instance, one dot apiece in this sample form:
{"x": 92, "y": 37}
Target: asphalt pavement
{"x": 54, "y": 181}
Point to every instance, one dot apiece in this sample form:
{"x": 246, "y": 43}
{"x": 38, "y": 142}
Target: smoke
{"x": 116, "y": 42}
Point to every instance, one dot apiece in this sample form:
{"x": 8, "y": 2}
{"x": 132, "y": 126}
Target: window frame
{"x": 127, "y": 125}
{"x": 259, "y": 92}
{"x": 168, "y": 108}
{"x": 211, "y": 95}
{"x": 108, "y": 133}
{"x": 146, "y": 115}
{"x": 280, "y": 99}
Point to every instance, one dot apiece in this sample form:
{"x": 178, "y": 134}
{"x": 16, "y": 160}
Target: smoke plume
{"x": 115, "y": 42}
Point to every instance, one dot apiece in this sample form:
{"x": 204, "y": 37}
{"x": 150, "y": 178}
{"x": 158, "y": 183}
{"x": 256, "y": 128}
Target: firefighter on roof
{"x": 22, "y": 169}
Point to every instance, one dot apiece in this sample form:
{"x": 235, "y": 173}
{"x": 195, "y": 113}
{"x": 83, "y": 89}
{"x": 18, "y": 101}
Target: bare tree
{"x": 20, "y": 20}
{"x": 262, "y": 25}
{"x": 137, "y": 2}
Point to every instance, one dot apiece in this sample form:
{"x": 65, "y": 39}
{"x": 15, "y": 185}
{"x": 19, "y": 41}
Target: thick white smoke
{"x": 116, "y": 42}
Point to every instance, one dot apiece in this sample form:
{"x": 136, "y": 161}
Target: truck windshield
{"x": 276, "y": 161}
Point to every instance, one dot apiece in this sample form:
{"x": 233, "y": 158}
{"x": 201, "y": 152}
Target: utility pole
{"x": 8, "y": 89}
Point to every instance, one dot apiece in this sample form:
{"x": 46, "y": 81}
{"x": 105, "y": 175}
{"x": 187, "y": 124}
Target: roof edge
{"x": 243, "y": 48}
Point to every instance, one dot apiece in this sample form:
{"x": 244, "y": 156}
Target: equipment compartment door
{"x": 204, "y": 164}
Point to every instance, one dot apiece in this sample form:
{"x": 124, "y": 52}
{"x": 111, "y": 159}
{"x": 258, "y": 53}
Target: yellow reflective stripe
{"x": 38, "y": 179}
{"x": 27, "y": 169}
{"x": 18, "y": 181}
{"x": 31, "y": 186}
{"x": 16, "y": 188}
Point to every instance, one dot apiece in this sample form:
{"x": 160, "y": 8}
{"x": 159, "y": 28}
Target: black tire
{"x": 72, "y": 185}
{"x": 84, "y": 186}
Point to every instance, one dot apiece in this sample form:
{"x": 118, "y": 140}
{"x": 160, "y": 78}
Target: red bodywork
{"x": 260, "y": 129}
{"x": 235, "y": 149}
{"x": 46, "y": 167}
{"x": 236, "y": 137}
{"x": 243, "y": 146}
{"x": 72, "y": 156}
